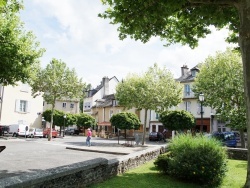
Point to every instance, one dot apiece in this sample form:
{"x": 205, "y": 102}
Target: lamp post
{"x": 201, "y": 99}
{"x": 64, "y": 123}
{"x": 43, "y": 122}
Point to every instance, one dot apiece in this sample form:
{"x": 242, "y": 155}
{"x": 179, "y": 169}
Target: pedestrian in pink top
{"x": 89, "y": 135}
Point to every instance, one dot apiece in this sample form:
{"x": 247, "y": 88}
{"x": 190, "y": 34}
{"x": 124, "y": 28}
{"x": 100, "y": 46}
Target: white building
{"x": 18, "y": 106}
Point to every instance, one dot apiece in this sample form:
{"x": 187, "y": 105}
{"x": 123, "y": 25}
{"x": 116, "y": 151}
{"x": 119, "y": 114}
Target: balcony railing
{"x": 188, "y": 95}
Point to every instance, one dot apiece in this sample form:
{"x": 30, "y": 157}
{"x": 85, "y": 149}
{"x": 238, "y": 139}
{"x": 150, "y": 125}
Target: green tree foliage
{"x": 58, "y": 118}
{"x": 177, "y": 120}
{"x": 185, "y": 21}
{"x": 85, "y": 120}
{"x": 182, "y": 21}
{"x": 19, "y": 52}
{"x": 2, "y": 3}
{"x": 125, "y": 120}
{"x": 56, "y": 82}
{"x": 199, "y": 160}
{"x": 221, "y": 81}
{"x": 156, "y": 90}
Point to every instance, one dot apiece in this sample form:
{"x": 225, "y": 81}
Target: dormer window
{"x": 193, "y": 72}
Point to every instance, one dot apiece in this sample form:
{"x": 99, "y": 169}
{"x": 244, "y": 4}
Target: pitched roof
{"x": 188, "y": 77}
{"x": 106, "y": 101}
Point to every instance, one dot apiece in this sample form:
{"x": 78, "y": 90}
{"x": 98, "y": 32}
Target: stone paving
{"x": 31, "y": 155}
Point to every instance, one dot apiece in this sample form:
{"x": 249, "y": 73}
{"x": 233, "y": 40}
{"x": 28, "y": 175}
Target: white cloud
{"x": 70, "y": 30}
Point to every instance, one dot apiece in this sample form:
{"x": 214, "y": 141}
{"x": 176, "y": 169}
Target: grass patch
{"x": 236, "y": 174}
{"x": 147, "y": 176}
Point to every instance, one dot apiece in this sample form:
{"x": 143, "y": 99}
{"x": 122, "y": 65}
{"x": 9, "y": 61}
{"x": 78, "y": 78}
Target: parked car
{"x": 46, "y": 133}
{"x": 155, "y": 136}
{"x": 227, "y": 138}
{"x": 19, "y": 130}
{"x": 71, "y": 131}
{"x": 4, "y": 130}
{"x": 35, "y": 132}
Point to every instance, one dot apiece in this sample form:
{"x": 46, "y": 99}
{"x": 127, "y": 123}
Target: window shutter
{"x": 17, "y": 107}
{"x": 28, "y": 104}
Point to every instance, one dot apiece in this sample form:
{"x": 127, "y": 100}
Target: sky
{"x": 70, "y": 30}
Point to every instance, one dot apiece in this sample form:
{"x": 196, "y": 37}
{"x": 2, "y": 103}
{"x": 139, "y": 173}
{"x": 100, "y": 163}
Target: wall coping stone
{"x": 41, "y": 176}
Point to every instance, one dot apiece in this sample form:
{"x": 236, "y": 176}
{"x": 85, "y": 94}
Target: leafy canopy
{"x": 56, "y": 81}
{"x": 85, "y": 120}
{"x": 183, "y": 21}
{"x": 221, "y": 80}
{"x": 177, "y": 120}
{"x": 19, "y": 52}
{"x": 125, "y": 120}
{"x": 156, "y": 89}
{"x": 58, "y": 118}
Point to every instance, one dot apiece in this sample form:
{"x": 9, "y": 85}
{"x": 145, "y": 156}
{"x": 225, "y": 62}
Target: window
{"x": 187, "y": 90}
{"x": 22, "y": 106}
{"x": 110, "y": 113}
{"x": 156, "y": 116}
{"x": 71, "y": 105}
{"x": 87, "y": 105}
{"x": 114, "y": 102}
{"x": 193, "y": 72}
{"x": 64, "y": 104}
{"x": 187, "y": 106}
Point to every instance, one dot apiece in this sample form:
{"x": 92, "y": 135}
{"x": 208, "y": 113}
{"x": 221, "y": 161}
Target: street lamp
{"x": 43, "y": 122}
{"x": 201, "y": 99}
{"x": 64, "y": 124}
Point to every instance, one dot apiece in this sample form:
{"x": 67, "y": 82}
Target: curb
{"x": 98, "y": 151}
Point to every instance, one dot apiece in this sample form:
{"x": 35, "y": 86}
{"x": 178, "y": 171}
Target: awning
{"x": 104, "y": 123}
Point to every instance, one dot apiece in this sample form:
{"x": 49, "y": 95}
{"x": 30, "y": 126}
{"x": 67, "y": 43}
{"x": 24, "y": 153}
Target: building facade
{"x": 17, "y": 105}
{"x": 210, "y": 122}
{"x": 101, "y": 104}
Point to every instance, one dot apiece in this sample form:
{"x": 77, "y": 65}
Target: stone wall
{"x": 237, "y": 153}
{"x": 81, "y": 174}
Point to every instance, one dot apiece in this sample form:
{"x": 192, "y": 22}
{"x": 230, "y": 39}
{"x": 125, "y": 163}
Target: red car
{"x": 46, "y": 133}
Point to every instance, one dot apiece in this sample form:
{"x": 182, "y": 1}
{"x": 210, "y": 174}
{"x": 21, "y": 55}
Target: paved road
{"x": 35, "y": 154}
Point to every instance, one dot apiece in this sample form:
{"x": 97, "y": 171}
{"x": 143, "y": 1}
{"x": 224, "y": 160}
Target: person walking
{"x": 89, "y": 135}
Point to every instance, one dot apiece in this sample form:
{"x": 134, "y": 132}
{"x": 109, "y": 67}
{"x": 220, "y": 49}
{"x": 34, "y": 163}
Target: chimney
{"x": 184, "y": 70}
{"x": 105, "y": 83}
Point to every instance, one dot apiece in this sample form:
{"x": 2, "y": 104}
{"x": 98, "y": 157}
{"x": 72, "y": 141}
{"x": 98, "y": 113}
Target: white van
{"x": 19, "y": 130}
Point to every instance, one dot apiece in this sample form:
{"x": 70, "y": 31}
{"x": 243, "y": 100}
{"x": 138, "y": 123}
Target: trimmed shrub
{"x": 199, "y": 160}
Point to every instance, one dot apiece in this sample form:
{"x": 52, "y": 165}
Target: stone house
{"x": 210, "y": 122}
{"x": 101, "y": 104}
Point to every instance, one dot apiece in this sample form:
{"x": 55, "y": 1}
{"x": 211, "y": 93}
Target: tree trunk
{"x": 244, "y": 42}
{"x": 51, "y": 123}
{"x": 242, "y": 139}
{"x": 144, "y": 126}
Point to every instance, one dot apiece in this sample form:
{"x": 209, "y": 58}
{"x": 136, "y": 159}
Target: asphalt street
{"x": 35, "y": 154}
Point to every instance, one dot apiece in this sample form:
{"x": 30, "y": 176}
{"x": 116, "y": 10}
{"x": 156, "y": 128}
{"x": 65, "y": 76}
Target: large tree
{"x": 221, "y": 81}
{"x": 19, "y": 51}
{"x": 185, "y": 21}
{"x": 155, "y": 89}
{"x": 55, "y": 82}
